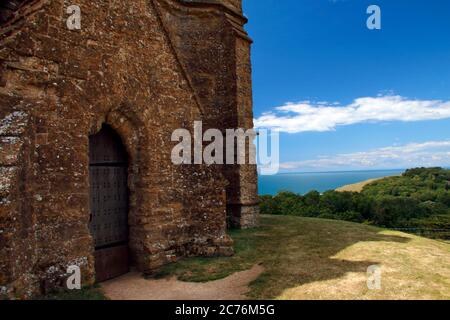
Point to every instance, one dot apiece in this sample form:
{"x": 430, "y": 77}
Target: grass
{"x": 307, "y": 258}
{"x": 86, "y": 293}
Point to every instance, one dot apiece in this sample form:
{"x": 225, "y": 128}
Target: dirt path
{"x": 133, "y": 286}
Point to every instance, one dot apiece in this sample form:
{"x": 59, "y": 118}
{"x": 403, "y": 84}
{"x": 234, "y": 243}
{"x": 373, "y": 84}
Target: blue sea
{"x": 320, "y": 181}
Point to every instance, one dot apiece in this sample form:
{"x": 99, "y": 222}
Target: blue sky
{"x": 345, "y": 97}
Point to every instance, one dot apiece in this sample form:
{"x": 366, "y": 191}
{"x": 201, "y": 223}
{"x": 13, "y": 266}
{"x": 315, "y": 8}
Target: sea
{"x": 321, "y": 181}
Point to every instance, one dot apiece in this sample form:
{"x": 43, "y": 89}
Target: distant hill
{"x": 418, "y": 201}
{"x": 357, "y": 187}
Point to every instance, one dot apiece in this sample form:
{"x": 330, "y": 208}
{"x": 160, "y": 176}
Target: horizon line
{"x": 359, "y": 170}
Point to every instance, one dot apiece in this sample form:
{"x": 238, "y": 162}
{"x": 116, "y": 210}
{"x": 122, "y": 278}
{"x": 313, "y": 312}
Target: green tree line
{"x": 417, "y": 201}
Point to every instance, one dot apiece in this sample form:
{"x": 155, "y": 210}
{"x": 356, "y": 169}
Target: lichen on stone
{"x": 7, "y": 175}
{"x": 13, "y": 124}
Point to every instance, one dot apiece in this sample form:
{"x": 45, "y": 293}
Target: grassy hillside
{"x": 425, "y": 184}
{"x": 309, "y": 258}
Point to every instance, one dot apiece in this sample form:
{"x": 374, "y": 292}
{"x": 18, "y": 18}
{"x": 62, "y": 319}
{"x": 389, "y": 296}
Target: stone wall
{"x": 122, "y": 68}
{"x": 215, "y": 50}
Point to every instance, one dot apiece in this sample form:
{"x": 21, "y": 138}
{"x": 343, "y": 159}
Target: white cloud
{"x": 307, "y": 116}
{"x": 427, "y": 154}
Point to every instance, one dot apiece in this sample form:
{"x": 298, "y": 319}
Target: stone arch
{"x": 125, "y": 121}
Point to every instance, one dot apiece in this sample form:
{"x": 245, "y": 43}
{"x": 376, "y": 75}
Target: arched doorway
{"x": 108, "y": 223}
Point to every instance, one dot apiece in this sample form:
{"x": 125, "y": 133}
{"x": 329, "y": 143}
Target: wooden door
{"x": 108, "y": 203}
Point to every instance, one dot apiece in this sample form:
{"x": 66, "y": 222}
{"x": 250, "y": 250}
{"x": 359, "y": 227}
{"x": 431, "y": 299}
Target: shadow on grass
{"x": 293, "y": 251}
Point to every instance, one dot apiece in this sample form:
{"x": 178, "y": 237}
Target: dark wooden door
{"x": 108, "y": 203}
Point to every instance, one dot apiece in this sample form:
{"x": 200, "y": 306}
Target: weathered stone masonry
{"x": 145, "y": 68}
